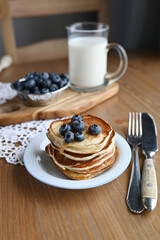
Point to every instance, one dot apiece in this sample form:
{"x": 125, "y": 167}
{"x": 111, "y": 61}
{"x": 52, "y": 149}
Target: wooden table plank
{"x": 32, "y": 210}
{"x": 68, "y": 103}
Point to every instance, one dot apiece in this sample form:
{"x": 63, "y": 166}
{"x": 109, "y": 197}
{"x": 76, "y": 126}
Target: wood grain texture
{"x": 69, "y": 102}
{"x": 25, "y": 8}
{"x": 30, "y": 209}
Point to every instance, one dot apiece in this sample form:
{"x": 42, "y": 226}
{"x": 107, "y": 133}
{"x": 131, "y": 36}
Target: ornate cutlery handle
{"x": 149, "y": 185}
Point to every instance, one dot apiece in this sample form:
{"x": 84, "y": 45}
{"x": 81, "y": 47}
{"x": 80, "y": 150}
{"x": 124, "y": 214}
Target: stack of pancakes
{"x": 86, "y": 159}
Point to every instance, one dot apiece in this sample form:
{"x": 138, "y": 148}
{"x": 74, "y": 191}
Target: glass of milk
{"x": 87, "y": 48}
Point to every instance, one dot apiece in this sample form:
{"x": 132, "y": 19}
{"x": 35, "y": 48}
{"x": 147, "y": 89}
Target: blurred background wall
{"x": 31, "y": 30}
{"x": 135, "y": 23}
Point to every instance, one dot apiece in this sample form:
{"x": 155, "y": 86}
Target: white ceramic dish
{"x": 39, "y": 165}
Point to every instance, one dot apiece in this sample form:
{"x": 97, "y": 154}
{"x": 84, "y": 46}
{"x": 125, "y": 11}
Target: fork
{"x": 134, "y": 138}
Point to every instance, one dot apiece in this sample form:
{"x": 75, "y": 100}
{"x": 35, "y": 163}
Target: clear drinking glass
{"x": 88, "y": 47}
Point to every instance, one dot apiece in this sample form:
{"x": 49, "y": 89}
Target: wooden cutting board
{"x": 69, "y": 103}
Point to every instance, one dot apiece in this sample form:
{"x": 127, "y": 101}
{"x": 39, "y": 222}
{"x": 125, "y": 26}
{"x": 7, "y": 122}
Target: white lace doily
{"x": 6, "y": 92}
{"x": 15, "y": 138}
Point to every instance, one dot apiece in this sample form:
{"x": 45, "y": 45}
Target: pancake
{"x": 83, "y": 176}
{"x": 90, "y": 144}
{"x": 85, "y": 159}
{"x": 78, "y": 166}
{"x": 84, "y": 156}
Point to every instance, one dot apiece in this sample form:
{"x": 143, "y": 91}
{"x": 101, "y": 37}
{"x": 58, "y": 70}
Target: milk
{"x": 87, "y": 61}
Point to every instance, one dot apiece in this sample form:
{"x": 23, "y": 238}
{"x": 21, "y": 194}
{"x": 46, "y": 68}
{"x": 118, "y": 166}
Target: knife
{"x": 149, "y": 147}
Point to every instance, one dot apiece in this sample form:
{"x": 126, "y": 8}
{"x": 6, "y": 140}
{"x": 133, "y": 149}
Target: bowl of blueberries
{"x": 38, "y": 89}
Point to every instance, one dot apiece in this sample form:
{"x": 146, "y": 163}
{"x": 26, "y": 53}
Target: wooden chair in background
{"x": 48, "y": 49}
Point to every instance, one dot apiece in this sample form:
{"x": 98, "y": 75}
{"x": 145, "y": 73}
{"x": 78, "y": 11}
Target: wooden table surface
{"x": 32, "y": 210}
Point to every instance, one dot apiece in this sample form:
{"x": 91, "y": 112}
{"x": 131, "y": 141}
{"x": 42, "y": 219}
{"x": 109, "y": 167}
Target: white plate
{"x": 39, "y": 165}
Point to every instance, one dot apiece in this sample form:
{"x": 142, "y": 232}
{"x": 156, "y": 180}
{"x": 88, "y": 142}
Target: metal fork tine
{"x": 129, "y": 124}
{"x": 140, "y": 124}
{"x": 133, "y": 124}
{"x": 137, "y": 126}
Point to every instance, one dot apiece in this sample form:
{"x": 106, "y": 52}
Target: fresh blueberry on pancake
{"x": 79, "y": 136}
{"x": 76, "y": 117}
{"x": 95, "y": 129}
{"x": 64, "y": 128}
{"x": 68, "y": 137}
{"x": 78, "y": 126}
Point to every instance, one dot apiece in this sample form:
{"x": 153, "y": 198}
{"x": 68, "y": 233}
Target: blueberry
{"x": 55, "y": 78}
{"x": 51, "y": 74}
{"x": 29, "y": 76}
{"x": 64, "y": 128}
{"x": 68, "y": 137}
{"x": 76, "y": 117}
{"x": 36, "y": 78}
{"x": 30, "y": 84}
{"x": 95, "y": 129}
{"x": 53, "y": 87}
{"x": 63, "y": 82}
{"x": 37, "y": 74}
{"x": 20, "y": 88}
{"x": 40, "y": 82}
{"x": 27, "y": 91}
{"x": 63, "y": 75}
{"x": 45, "y": 76}
{"x": 78, "y": 126}
{"x": 79, "y": 136}
{"x": 17, "y": 85}
{"x": 44, "y": 90}
{"x": 48, "y": 82}
{"x": 43, "y": 84}
{"x": 35, "y": 90}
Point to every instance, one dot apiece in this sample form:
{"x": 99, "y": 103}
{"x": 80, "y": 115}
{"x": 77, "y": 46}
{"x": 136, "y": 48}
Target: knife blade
{"x": 149, "y": 148}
